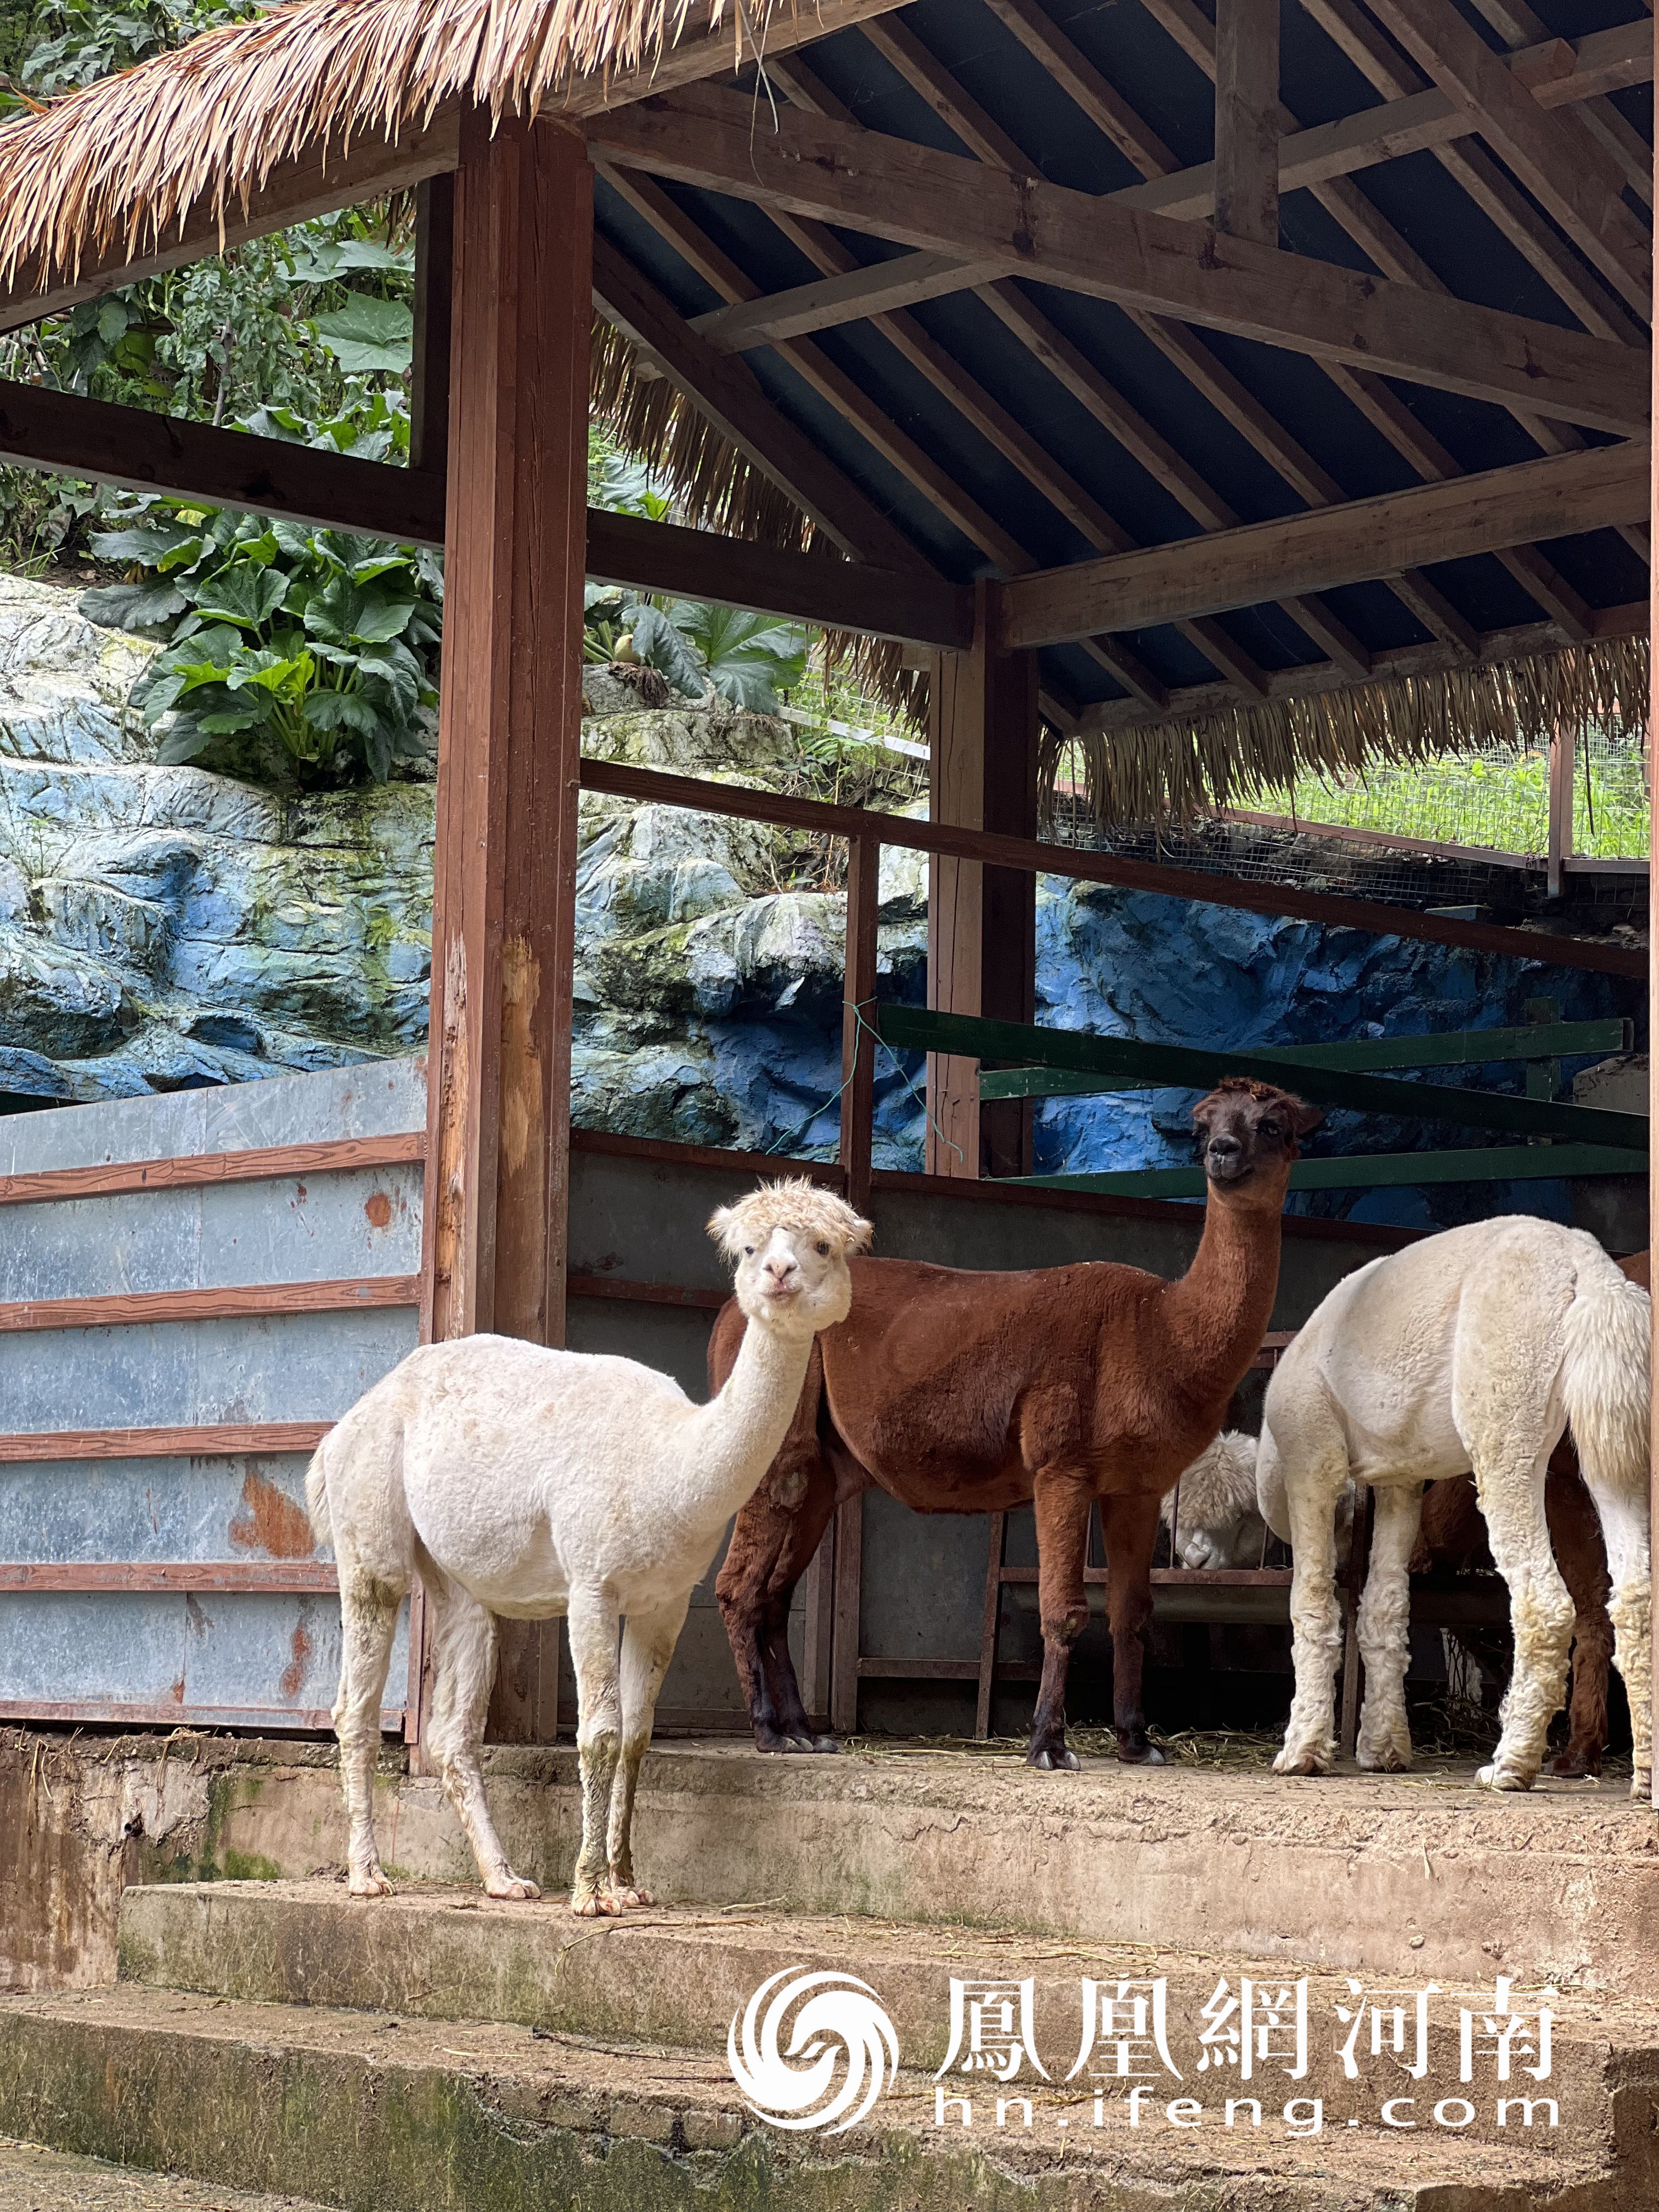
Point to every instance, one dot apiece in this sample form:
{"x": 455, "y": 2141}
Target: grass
{"x": 1499, "y": 798}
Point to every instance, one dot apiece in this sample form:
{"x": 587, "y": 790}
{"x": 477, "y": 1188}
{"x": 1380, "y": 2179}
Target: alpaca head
{"x": 1221, "y": 1525}
{"x": 1248, "y": 1133}
{"x": 790, "y": 1243}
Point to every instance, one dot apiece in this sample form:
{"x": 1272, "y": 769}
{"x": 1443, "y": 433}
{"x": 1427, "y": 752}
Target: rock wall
{"x": 164, "y": 927}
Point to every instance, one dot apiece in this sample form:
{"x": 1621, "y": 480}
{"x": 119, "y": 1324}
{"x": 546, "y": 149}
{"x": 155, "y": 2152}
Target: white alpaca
{"x": 1221, "y": 1525}
{"x": 520, "y": 1481}
{"x": 1471, "y": 1349}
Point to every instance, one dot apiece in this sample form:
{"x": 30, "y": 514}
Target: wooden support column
{"x": 1247, "y": 119}
{"x": 1559, "y": 846}
{"x": 982, "y": 922}
{"x": 1653, "y": 971}
{"x": 509, "y": 738}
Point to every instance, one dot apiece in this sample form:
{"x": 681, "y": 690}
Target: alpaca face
{"x": 791, "y": 1242}
{"x": 1249, "y": 1132}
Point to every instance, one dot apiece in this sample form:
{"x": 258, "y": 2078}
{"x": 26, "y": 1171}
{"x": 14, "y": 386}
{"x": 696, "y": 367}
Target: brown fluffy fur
{"x": 968, "y": 1393}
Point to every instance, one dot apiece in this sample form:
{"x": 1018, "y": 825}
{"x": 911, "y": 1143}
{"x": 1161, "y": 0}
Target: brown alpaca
{"x": 1454, "y": 1535}
{"x": 969, "y": 1393}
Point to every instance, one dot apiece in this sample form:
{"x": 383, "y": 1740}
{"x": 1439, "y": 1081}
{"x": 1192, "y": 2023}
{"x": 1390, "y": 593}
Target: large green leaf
{"x": 244, "y": 593}
{"x": 341, "y": 614}
{"x": 133, "y": 606}
{"x": 369, "y": 337}
{"x": 749, "y": 658}
{"x": 660, "y": 644}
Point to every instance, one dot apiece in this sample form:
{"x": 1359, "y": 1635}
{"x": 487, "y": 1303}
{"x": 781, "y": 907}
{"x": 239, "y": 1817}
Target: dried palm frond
{"x": 1173, "y": 772}
{"x": 123, "y": 160}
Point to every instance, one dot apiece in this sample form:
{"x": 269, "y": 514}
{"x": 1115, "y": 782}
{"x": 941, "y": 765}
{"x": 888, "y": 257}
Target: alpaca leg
{"x": 463, "y": 1671}
{"x": 1576, "y": 1539}
{"x": 1317, "y": 1469}
{"x": 1062, "y": 1503}
{"x": 1384, "y": 1629}
{"x": 592, "y": 1623}
{"x": 648, "y": 1641}
{"x": 1624, "y": 1527}
{"x": 1541, "y": 1613}
{"x": 369, "y": 1620}
{"x": 772, "y": 1545}
{"x": 1130, "y": 1526}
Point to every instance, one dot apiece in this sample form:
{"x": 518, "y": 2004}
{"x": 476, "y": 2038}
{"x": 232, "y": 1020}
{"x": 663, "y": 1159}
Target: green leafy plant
{"x": 752, "y": 660}
{"x": 299, "y": 657}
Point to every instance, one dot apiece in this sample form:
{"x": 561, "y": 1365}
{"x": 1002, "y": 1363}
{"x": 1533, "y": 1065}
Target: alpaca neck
{"x": 731, "y": 1441}
{"x": 1217, "y": 1312}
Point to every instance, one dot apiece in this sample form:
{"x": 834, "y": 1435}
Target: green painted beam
{"x": 1019, "y": 1044}
{"x": 1458, "y": 1048}
{"x": 1377, "y": 1171}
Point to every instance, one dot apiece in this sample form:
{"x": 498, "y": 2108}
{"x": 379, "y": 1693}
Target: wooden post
{"x": 434, "y": 270}
{"x": 858, "y": 1041}
{"x": 509, "y": 738}
{"x": 1247, "y": 119}
{"x": 982, "y": 922}
{"x": 990, "y": 1620}
{"x": 849, "y": 1596}
{"x": 1653, "y": 984}
{"x": 1563, "y": 759}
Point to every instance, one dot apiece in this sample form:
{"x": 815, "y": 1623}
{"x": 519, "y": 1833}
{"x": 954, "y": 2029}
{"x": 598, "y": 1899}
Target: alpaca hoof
{"x": 1641, "y": 1788}
{"x": 1140, "y": 1755}
{"x": 597, "y": 1904}
{"x": 628, "y": 1898}
{"x": 1504, "y": 1777}
{"x": 370, "y": 1882}
{"x": 513, "y": 1888}
{"x": 798, "y": 1743}
{"x": 1304, "y": 1761}
{"x": 1387, "y": 1758}
{"x": 1054, "y": 1759}
{"x": 1572, "y": 1765}
{"x": 826, "y": 1743}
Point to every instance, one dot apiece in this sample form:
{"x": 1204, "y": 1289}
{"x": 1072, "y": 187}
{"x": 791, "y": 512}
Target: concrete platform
{"x": 36, "y": 2180}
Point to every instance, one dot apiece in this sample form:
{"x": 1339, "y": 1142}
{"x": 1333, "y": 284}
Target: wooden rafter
{"x": 1565, "y": 168}
{"x": 897, "y": 189}
{"x": 1561, "y": 495}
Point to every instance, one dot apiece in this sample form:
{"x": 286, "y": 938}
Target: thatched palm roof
{"x": 123, "y": 160}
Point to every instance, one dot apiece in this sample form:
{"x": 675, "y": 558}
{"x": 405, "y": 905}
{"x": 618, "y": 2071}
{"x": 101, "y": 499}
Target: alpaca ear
{"x": 1307, "y": 1118}
{"x": 858, "y": 1234}
{"x": 723, "y": 1228}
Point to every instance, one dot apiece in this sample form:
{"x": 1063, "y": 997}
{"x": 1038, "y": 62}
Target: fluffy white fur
{"x": 526, "y": 1482}
{"x": 1472, "y": 1350}
{"x": 1220, "y": 1524}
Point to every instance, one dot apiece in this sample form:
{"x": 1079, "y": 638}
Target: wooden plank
{"x": 127, "y": 446}
{"x": 939, "y": 203}
{"x": 655, "y": 786}
{"x": 990, "y": 1619}
{"x": 919, "y": 1670}
{"x": 817, "y": 1594}
{"x": 845, "y": 298}
{"x": 848, "y": 1615}
{"x": 258, "y": 1163}
{"x": 1247, "y": 119}
{"x": 1196, "y": 1067}
{"x": 1554, "y": 497}
{"x": 665, "y": 1152}
{"x": 246, "y": 1577}
{"x": 509, "y": 739}
{"x": 911, "y": 604}
{"x": 1558, "y": 834}
{"x": 201, "y": 1440}
{"x": 1559, "y": 162}
{"x": 1653, "y": 1058}
{"x": 1379, "y": 1170}
{"x": 724, "y": 390}
{"x": 644, "y": 1294}
{"x": 955, "y": 739}
{"x": 129, "y": 1309}
{"x": 1454, "y": 1048}
{"x": 858, "y": 1040}
{"x": 175, "y": 1719}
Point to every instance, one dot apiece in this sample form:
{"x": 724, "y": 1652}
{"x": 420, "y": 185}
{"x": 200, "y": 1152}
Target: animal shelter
{"x": 1183, "y": 405}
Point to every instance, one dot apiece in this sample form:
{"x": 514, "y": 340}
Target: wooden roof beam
{"x": 1247, "y": 119}
{"x": 61, "y": 431}
{"x": 940, "y": 203}
{"x": 1566, "y": 169}
{"x": 1558, "y": 496}
{"x": 1306, "y": 159}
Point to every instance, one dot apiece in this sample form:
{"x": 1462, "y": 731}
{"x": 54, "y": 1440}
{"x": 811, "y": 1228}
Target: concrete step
{"x": 377, "y": 2113}
{"x": 36, "y": 2180}
{"x": 678, "y": 1977}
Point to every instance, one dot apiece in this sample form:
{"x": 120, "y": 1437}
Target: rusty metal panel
{"x": 226, "y": 1658}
